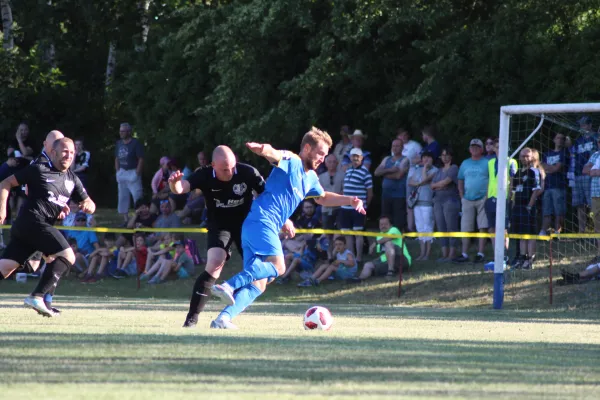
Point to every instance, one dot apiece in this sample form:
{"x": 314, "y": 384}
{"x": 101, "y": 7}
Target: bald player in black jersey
{"x": 228, "y": 188}
{"x": 50, "y": 185}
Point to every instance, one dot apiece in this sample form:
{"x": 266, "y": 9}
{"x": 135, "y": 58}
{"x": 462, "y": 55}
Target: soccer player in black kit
{"x": 50, "y": 185}
{"x": 227, "y": 187}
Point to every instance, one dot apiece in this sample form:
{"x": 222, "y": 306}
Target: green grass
{"x": 117, "y": 348}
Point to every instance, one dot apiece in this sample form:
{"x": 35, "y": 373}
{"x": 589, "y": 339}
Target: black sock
{"x": 200, "y": 295}
{"x": 51, "y": 276}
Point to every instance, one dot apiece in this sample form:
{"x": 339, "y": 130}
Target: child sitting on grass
{"x": 343, "y": 265}
{"x": 126, "y": 265}
{"x": 305, "y": 260}
{"x": 181, "y": 266}
{"x": 141, "y": 252}
{"x": 163, "y": 250}
{"x": 81, "y": 264}
{"x": 99, "y": 258}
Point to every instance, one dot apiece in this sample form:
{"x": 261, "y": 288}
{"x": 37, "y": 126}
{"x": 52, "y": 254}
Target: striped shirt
{"x": 356, "y": 183}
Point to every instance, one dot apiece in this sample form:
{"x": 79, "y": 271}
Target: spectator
{"x": 159, "y": 185}
{"x": 595, "y": 192}
{"x": 527, "y": 185}
{"x": 394, "y": 171}
{"x": 554, "y": 203}
{"x": 492, "y": 193}
{"x": 344, "y": 145}
{"x": 414, "y": 164}
{"x": 432, "y": 146}
{"x": 129, "y": 161}
{"x": 69, "y": 220}
{"x": 585, "y": 146}
{"x": 446, "y": 203}
{"x": 141, "y": 252}
{"x": 473, "y": 179}
{"x": 304, "y": 261}
{"x": 181, "y": 266}
{"x": 202, "y": 160}
{"x": 419, "y": 180}
{"x": 358, "y": 139}
{"x": 357, "y": 182}
{"x": 81, "y": 163}
{"x": 87, "y": 241}
{"x": 411, "y": 147}
{"x": 126, "y": 265}
{"x": 22, "y": 145}
{"x": 592, "y": 271}
{"x": 100, "y": 258}
{"x": 167, "y": 219}
{"x": 80, "y": 264}
{"x": 342, "y": 265}
{"x": 142, "y": 218}
{"x": 163, "y": 250}
{"x": 307, "y": 220}
{"x": 391, "y": 253}
{"x": 489, "y": 148}
{"x": 332, "y": 180}
{"x": 178, "y": 201}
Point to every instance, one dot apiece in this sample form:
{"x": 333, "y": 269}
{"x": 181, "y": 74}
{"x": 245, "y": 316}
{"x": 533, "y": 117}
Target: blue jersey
{"x": 286, "y": 187}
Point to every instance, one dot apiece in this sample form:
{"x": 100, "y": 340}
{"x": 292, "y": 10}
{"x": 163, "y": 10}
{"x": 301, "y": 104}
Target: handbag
{"x": 413, "y": 197}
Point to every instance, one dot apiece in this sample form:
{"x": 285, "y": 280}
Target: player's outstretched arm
{"x": 5, "y": 187}
{"x": 265, "y": 150}
{"x": 330, "y": 199}
{"x": 177, "y": 184}
{"x": 87, "y": 206}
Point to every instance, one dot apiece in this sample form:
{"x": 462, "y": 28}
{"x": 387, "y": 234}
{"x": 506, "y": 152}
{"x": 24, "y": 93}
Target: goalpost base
{"x": 498, "y": 291}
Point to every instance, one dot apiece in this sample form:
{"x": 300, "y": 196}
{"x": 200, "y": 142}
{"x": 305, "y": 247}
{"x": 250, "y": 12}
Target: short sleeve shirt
{"x": 129, "y": 153}
{"x": 475, "y": 173}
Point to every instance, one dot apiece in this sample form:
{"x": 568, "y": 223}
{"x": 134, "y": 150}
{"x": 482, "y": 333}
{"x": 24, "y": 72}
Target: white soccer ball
{"x": 317, "y": 318}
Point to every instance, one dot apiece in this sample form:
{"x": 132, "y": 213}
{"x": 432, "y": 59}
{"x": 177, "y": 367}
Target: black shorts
{"x": 351, "y": 220}
{"x": 26, "y": 239}
{"x": 223, "y": 238}
{"x": 524, "y": 222}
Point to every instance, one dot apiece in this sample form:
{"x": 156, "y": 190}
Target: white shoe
{"x": 37, "y": 303}
{"x": 224, "y": 292}
{"x": 220, "y": 323}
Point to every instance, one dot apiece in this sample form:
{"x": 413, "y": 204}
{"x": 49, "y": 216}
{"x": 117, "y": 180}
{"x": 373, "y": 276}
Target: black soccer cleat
{"x": 190, "y": 323}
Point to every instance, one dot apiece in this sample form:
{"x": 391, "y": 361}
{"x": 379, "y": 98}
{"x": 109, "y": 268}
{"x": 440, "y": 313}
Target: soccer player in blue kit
{"x": 293, "y": 180}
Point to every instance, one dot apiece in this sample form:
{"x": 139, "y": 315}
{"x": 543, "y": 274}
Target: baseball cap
{"x": 585, "y": 120}
{"x": 358, "y": 133}
{"x": 476, "y": 142}
{"x": 356, "y": 151}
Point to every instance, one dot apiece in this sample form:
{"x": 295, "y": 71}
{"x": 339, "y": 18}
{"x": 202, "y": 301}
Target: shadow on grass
{"x": 261, "y": 359}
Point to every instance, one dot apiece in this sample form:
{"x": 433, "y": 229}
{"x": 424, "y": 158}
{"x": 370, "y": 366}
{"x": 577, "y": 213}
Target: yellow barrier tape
{"x": 546, "y": 238}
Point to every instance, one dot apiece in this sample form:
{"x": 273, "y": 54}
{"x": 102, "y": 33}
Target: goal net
{"x": 552, "y": 198}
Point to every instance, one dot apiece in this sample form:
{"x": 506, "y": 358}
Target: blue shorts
{"x": 554, "y": 202}
{"x": 490, "y": 212}
{"x": 182, "y": 273}
{"x": 258, "y": 240}
{"x": 345, "y": 272}
{"x": 351, "y": 220}
{"x": 582, "y": 191}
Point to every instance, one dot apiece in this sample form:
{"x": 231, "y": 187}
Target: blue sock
{"x": 243, "y": 298}
{"x": 48, "y": 298}
{"x": 254, "y": 272}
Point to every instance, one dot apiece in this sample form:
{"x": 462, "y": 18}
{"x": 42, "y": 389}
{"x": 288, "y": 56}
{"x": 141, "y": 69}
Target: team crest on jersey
{"x": 239, "y": 188}
{"x": 70, "y": 185}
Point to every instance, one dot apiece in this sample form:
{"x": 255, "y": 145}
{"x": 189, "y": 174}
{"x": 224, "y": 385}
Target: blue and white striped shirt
{"x": 356, "y": 183}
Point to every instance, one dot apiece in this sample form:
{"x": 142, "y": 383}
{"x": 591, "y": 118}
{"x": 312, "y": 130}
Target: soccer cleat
{"x": 37, "y": 303}
{"x": 220, "y": 323}
{"x": 305, "y": 283}
{"x": 460, "y": 260}
{"x": 479, "y": 258}
{"x": 224, "y": 292}
{"x": 190, "y": 323}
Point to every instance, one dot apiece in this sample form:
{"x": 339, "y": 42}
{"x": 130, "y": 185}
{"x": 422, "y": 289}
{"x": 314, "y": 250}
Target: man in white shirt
{"x": 411, "y": 147}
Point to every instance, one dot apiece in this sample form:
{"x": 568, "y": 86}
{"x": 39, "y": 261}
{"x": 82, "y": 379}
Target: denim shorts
{"x": 582, "y": 192}
{"x": 554, "y": 202}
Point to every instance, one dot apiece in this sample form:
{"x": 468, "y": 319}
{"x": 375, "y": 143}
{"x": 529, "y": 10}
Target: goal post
{"x": 539, "y": 111}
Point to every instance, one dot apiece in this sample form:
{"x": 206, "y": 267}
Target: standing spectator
{"x": 332, "y": 180}
{"x": 129, "y": 161}
{"x": 473, "y": 179}
{"x": 489, "y": 148}
{"x": 411, "y": 147}
{"x": 492, "y": 193}
{"x": 585, "y": 146}
{"x": 446, "y": 203}
{"x": 554, "y": 202}
{"x": 394, "y": 170}
{"x": 358, "y": 140}
{"x": 344, "y": 145}
{"x": 81, "y": 163}
{"x": 432, "y": 146}
{"x": 595, "y": 188}
{"x": 527, "y": 185}
{"x": 419, "y": 179}
{"x": 357, "y": 182}
{"x": 21, "y": 145}
{"x": 202, "y": 160}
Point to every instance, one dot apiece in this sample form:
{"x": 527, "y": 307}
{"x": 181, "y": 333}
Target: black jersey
{"x": 525, "y": 182}
{"x": 49, "y": 191}
{"x": 228, "y": 203}
{"x": 42, "y": 158}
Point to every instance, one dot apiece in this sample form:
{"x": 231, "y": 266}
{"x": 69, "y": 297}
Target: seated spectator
{"x": 178, "y": 201}
{"x": 159, "y": 184}
{"x": 99, "y": 259}
{"x": 193, "y": 209}
{"x": 166, "y": 219}
{"x": 81, "y": 163}
{"x": 419, "y": 180}
{"x": 163, "y": 249}
{"x": 141, "y": 252}
{"x": 74, "y": 211}
{"x": 180, "y": 267}
{"x": 81, "y": 264}
{"x": 87, "y": 241}
{"x": 142, "y": 218}
{"x": 304, "y": 260}
{"x": 591, "y": 272}
{"x": 343, "y": 265}
{"x": 126, "y": 265}
{"x": 391, "y": 253}
{"x": 307, "y": 220}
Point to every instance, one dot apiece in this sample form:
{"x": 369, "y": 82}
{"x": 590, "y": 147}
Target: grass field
{"x": 116, "y": 348}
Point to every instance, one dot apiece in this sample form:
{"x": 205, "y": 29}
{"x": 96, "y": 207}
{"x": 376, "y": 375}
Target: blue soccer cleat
{"x": 37, "y": 303}
{"x": 221, "y": 323}
{"x": 224, "y": 292}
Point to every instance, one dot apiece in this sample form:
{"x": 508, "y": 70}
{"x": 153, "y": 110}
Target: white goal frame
{"x": 504, "y": 136}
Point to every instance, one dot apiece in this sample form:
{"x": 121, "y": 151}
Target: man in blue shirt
{"x": 554, "y": 203}
{"x": 293, "y": 180}
{"x": 473, "y": 177}
{"x": 431, "y": 145}
{"x": 584, "y": 147}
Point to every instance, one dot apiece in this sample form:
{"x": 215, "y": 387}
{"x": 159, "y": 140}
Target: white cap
{"x": 355, "y": 151}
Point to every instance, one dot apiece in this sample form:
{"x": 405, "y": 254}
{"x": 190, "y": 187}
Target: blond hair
{"x": 314, "y": 136}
